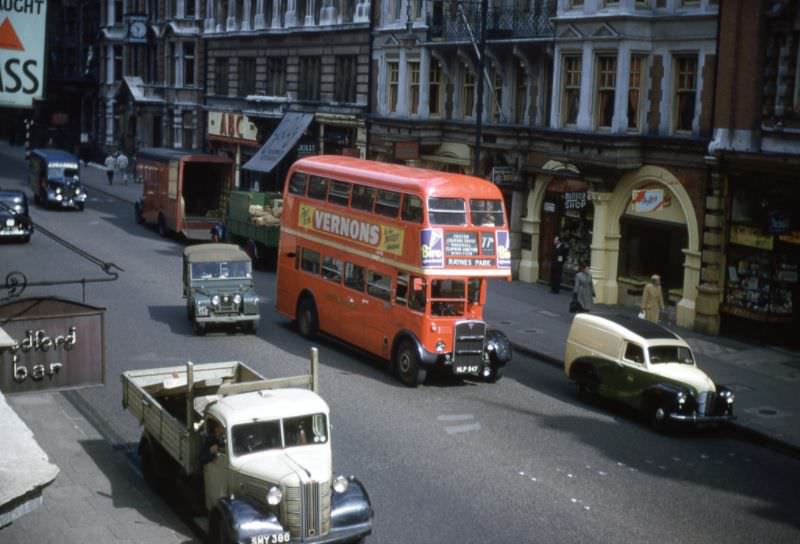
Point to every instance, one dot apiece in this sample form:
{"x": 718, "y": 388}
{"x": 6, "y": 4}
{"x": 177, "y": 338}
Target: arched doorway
{"x": 638, "y": 209}
{"x": 567, "y": 213}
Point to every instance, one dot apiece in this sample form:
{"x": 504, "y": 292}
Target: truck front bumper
{"x": 226, "y": 319}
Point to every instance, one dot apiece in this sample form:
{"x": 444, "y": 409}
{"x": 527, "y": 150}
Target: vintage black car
{"x": 54, "y": 179}
{"x": 15, "y": 222}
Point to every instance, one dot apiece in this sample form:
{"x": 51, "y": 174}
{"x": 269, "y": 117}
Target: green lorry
{"x": 253, "y": 222}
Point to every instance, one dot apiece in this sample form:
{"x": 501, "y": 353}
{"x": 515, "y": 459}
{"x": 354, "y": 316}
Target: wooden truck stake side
{"x": 252, "y": 453}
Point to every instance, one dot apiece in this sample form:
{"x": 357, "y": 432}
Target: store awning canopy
{"x": 283, "y": 138}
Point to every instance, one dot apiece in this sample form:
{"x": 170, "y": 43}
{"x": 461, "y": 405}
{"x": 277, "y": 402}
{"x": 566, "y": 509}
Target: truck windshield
{"x": 58, "y": 173}
{"x": 670, "y": 354}
{"x": 267, "y": 435}
{"x": 222, "y": 270}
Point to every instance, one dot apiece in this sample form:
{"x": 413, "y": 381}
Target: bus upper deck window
{"x": 388, "y": 203}
{"x": 447, "y": 211}
{"x": 339, "y": 193}
{"x": 317, "y": 187}
{"x": 363, "y": 198}
{"x": 297, "y": 185}
{"x": 412, "y": 209}
{"x": 486, "y": 213}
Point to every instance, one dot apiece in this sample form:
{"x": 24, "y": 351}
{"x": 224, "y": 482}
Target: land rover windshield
{"x": 222, "y": 270}
{"x": 671, "y": 354}
{"x": 278, "y": 434}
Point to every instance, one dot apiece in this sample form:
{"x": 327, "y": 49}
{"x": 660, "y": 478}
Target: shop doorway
{"x": 650, "y": 247}
{"x": 566, "y": 213}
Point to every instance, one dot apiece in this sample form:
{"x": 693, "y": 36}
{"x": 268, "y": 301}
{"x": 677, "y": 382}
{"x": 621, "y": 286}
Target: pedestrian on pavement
{"x": 653, "y": 299}
{"x": 560, "y": 252}
{"x": 111, "y": 165}
{"x": 122, "y": 166}
{"x": 583, "y": 292}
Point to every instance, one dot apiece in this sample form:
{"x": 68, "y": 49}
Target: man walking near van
{"x": 653, "y": 299}
{"x": 111, "y": 165}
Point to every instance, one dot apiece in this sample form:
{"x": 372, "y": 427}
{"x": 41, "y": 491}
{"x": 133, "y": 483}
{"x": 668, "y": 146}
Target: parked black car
{"x": 15, "y": 222}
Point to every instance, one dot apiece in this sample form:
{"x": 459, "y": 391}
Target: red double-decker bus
{"x": 394, "y": 260}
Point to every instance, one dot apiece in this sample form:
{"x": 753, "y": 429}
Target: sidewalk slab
{"x": 98, "y": 495}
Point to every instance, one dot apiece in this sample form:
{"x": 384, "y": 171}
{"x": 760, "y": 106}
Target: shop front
{"x": 236, "y": 136}
{"x": 762, "y": 258}
{"x": 566, "y": 212}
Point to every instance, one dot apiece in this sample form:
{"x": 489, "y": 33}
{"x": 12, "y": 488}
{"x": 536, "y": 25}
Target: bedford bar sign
{"x": 58, "y": 344}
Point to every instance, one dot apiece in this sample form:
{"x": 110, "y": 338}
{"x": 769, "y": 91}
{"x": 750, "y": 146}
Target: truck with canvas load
{"x": 254, "y": 454}
{"x": 183, "y": 192}
{"x": 253, "y": 221}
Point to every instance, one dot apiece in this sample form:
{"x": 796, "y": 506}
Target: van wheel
{"x": 657, "y": 417}
{"x": 406, "y": 365}
{"x": 147, "y": 458}
{"x": 307, "y": 320}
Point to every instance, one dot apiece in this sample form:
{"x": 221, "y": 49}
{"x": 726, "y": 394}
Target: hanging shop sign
{"x": 503, "y": 176}
{"x": 647, "y": 200}
{"x": 231, "y": 126}
{"x": 575, "y": 200}
{"x": 549, "y": 207}
{"x": 22, "y": 29}
{"x": 749, "y": 236}
{"x": 55, "y": 344}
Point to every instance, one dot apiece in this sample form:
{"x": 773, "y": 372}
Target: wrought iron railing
{"x": 521, "y": 19}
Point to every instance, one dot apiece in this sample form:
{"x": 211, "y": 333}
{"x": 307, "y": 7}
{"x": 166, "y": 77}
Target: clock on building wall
{"x": 137, "y": 29}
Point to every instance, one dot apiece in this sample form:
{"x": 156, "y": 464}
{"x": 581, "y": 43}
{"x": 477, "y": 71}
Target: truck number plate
{"x": 473, "y": 369}
{"x": 277, "y": 538}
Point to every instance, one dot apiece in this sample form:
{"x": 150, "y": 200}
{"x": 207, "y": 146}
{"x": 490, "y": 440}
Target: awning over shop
{"x": 283, "y": 138}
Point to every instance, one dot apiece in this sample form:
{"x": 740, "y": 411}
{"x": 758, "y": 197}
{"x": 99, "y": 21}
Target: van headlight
{"x": 681, "y": 398}
{"x": 340, "y": 484}
{"x": 237, "y": 299}
{"x": 274, "y": 496}
{"x": 215, "y": 300}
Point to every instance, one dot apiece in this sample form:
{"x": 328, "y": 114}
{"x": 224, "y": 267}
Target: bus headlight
{"x": 440, "y": 346}
{"x": 59, "y": 197}
{"x": 274, "y": 496}
{"x": 215, "y": 300}
{"x": 340, "y": 484}
{"x": 237, "y": 299}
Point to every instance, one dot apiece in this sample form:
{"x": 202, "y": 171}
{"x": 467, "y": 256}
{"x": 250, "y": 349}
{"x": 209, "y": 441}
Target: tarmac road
{"x": 453, "y": 462}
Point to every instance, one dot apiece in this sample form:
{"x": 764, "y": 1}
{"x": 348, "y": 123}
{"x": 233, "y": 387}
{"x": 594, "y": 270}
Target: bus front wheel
{"x": 307, "y": 322}
{"x": 406, "y": 365}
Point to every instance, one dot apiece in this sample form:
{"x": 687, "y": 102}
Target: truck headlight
{"x": 77, "y": 190}
{"x": 215, "y": 300}
{"x": 440, "y": 346}
{"x": 237, "y": 299}
{"x": 340, "y": 484}
{"x": 274, "y": 496}
{"x": 59, "y": 197}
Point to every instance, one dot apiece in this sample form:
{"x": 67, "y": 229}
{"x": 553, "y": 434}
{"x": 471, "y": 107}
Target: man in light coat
{"x": 653, "y": 299}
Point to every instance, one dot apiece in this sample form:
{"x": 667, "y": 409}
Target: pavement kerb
{"x": 742, "y": 431}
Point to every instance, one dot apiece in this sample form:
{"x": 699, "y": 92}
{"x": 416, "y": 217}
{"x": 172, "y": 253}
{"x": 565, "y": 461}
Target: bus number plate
{"x": 466, "y": 369}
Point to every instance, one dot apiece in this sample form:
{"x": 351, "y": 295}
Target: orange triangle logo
{"x": 8, "y": 37}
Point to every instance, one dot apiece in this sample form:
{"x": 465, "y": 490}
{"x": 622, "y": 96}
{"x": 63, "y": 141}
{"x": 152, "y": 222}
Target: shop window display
{"x": 761, "y": 281}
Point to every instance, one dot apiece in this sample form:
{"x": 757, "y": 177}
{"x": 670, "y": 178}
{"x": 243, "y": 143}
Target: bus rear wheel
{"x": 307, "y": 322}
{"x": 406, "y": 365}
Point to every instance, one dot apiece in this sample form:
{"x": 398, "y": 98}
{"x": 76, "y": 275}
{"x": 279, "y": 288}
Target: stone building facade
{"x": 598, "y": 117}
{"x": 752, "y": 237}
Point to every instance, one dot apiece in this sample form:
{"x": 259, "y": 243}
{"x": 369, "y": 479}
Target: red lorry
{"x": 184, "y": 191}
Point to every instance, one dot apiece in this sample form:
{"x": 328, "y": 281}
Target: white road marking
{"x": 453, "y": 429}
{"x": 456, "y": 417}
